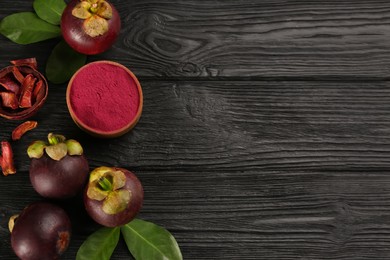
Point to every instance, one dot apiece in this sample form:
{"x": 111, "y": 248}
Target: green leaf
{"x": 27, "y": 27}
{"x": 146, "y": 240}
{"x": 100, "y": 245}
{"x": 63, "y": 62}
{"x": 49, "y": 10}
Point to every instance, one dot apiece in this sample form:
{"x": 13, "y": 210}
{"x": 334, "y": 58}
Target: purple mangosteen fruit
{"x": 58, "y": 168}
{"x": 90, "y": 26}
{"x": 113, "y": 196}
{"x": 41, "y": 231}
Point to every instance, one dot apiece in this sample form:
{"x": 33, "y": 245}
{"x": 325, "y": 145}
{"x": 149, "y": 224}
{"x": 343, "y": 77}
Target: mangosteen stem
{"x": 105, "y": 184}
{"x": 93, "y": 9}
{"x": 53, "y": 140}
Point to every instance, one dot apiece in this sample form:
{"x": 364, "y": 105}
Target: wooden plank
{"x": 256, "y": 215}
{"x": 255, "y": 38}
{"x": 244, "y": 170}
{"x": 198, "y": 39}
{"x": 238, "y": 126}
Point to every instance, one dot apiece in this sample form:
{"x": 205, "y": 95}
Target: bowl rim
{"x": 97, "y": 132}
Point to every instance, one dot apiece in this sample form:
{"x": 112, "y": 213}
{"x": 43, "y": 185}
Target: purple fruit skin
{"x": 42, "y": 231}
{"x": 59, "y": 179}
{"x": 94, "y": 207}
{"x": 72, "y": 31}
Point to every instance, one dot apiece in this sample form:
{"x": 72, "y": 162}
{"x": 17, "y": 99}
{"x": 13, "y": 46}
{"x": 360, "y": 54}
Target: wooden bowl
{"x": 24, "y": 113}
{"x": 81, "y": 112}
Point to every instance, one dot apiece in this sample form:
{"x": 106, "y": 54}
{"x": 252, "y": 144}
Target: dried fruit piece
{"x": 25, "y": 99}
{"x": 6, "y": 159}
{"x": 9, "y": 100}
{"x": 21, "y": 129}
{"x": 17, "y": 74}
{"x": 37, "y": 90}
{"x": 31, "y": 62}
{"x": 9, "y": 83}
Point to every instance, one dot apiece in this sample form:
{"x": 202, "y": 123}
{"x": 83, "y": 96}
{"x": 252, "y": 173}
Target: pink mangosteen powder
{"x": 104, "y": 96}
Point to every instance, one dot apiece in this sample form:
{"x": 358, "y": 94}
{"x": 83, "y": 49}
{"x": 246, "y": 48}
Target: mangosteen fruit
{"x": 90, "y": 26}
{"x": 41, "y": 231}
{"x": 113, "y": 196}
{"x": 58, "y": 168}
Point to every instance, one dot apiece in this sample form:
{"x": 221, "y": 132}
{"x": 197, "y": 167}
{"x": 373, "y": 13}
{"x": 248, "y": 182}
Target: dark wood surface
{"x": 265, "y": 132}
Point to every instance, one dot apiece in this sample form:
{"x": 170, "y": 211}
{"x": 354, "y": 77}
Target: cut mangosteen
{"x": 58, "y": 169}
{"x": 113, "y": 196}
{"x": 42, "y": 231}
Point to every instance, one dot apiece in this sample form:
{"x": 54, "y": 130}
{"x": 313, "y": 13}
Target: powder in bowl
{"x": 104, "y": 98}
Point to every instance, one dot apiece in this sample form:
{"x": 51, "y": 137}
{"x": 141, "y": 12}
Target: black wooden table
{"x": 265, "y": 132}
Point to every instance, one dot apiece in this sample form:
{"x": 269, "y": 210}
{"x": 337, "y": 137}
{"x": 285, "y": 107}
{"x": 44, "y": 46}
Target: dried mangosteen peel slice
{"x": 106, "y": 185}
{"x": 56, "y": 148}
{"x": 9, "y": 83}
{"x": 31, "y": 62}
{"x": 7, "y": 159}
{"x": 95, "y": 14}
{"x": 21, "y": 129}
{"x": 9, "y": 99}
{"x": 17, "y": 74}
{"x": 25, "y": 100}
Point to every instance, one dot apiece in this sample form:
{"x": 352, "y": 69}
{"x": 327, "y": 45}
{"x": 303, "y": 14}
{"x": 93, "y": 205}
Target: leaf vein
{"x": 153, "y": 246}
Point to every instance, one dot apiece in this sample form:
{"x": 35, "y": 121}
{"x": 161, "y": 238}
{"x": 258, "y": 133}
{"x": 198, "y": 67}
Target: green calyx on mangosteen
{"x": 41, "y": 231}
{"x": 58, "y": 168}
{"x": 113, "y": 196}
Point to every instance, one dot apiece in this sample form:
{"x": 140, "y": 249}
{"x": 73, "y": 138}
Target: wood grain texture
{"x": 245, "y": 170}
{"x": 256, "y": 38}
{"x": 248, "y": 38}
{"x": 240, "y": 125}
{"x": 265, "y": 132}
